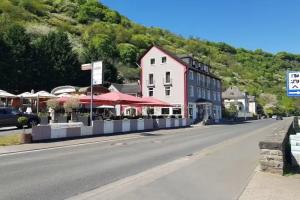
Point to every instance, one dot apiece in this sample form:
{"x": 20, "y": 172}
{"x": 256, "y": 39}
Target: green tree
{"x": 142, "y": 41}
{"x": 112, "y": 17}
{"x": 288, "y": 105}
{"x": 231, "y": 111}
{"x": 101, "y": 47}
{"x": 57, "y": 60}
{"x": 110, "y": 73}
{"x": 128, "y": 53}
{"x": 89, "y": 11}
{"x": 19, "y": 52}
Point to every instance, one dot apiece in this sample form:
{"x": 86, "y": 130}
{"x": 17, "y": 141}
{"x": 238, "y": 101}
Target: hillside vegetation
{"x": 43, "y": 43}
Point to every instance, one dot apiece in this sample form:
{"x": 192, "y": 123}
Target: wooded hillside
{"x": 43, "y": 43}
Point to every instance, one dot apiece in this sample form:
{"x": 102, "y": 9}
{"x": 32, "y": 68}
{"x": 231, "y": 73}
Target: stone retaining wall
{"x": 102, "y": 127}
{"x": 274, "y": 150}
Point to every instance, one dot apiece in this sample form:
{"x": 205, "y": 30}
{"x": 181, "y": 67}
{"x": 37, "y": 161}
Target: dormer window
{"x": 205, "y": 68}
{"x": 191, "y": 75}
{"x": 152, "y": 61}
{"x": 164, "y": 59}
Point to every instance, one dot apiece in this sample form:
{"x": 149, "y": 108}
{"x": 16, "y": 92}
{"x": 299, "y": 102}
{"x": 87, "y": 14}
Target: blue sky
{"x": 271, "y": 25}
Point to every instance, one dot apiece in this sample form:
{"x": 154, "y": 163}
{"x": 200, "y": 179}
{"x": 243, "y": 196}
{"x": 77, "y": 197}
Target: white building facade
{"x": 183, "y": 82}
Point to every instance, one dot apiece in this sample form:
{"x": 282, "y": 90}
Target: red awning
{"x": 113, "y": 98}
{"x": 150, "y": 101}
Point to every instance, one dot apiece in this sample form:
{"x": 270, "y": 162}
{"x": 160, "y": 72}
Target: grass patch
{"x": 7, "y": 140}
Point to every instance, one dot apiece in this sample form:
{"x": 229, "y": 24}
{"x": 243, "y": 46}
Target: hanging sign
{"x": 97, "y": 72}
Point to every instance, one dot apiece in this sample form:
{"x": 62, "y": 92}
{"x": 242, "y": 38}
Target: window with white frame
{"x": 168, "y": 77}
{"x": 191, "y": 75}
{"x": 150, "y": 92}
{"x": 206, "y": 68}
{"x": 191, "y": 90}
{"x": 202, "y": 80}
{"x": 207, "y": 81}
{"x": 199, "y": 92}
{"x": 203, "y": 93}
{"x": 163, "y": 59}
{"x": 167, "y": 91}
{"x": 151, "y": 79}
{"x": 219, "y": 96}
{"x": 176, "y": 111}
{"x": 152, "y": 61}
{"x": 198, "y": 78}
{"x": 218, "y": 84}
{"x": 208, "y": 94}
{"x": 165, "y": 111}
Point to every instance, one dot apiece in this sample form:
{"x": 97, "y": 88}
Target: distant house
{"x": 183, "y": 81}
{"x": 244, "y": 103}
{"x": 133, "y": 89}
{"x": 252, "y": 104}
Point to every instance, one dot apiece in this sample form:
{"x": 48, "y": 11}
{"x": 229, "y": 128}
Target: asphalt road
{"x": 63, "y": 173}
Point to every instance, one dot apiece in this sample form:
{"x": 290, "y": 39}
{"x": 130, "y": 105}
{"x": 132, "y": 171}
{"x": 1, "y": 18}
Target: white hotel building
{"x": 181, "y": 81}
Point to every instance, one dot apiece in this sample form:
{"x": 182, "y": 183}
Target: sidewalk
{"x": 266, "y": 186}
{"x": 83, "y": 141}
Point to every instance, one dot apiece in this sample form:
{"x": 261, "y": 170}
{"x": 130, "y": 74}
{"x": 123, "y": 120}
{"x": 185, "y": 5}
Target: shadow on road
{"x": 233, "y": 122}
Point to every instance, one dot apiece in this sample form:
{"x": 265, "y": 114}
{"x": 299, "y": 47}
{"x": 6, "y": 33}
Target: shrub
{"x": 71, "y": 104}
{"x": 23, "y": 121}
{"x": 53, "y": 103}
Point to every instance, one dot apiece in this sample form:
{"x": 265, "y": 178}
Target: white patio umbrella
{"x": 4, "y": 94}
{"x": 44, "y": 94}
{"x": 64, "y": 95}
{"x": 37, "y": 96}
{"x": 27, "y": 95}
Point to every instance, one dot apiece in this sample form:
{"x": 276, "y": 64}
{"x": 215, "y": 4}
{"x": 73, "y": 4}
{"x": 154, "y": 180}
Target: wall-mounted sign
{"x": 293, "y": 84}
{"x": 85, "y": 67}
{"x": 97, "y": 72}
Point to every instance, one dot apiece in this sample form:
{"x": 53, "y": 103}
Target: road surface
{"x": 219, "y": 173}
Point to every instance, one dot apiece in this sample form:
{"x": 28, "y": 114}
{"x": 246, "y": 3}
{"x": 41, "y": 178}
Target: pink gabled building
{"x": 181, "y": 81}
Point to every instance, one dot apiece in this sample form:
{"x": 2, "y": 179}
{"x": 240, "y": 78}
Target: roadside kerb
{"x": 103, "y": 127}
{"x": 40, "y": 146}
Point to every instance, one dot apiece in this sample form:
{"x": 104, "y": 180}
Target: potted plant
{"x": 25, "y": 137}
{"x": 84, "y": 118}
{"x": 53, "y": 106}
{"x": 70, "y": 106}
{"x": 44, "y": 118}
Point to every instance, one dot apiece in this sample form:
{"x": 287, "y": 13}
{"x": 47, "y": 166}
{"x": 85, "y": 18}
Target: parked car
{"x": 279, "y": 117}
{"x": 9, "y": 117}
{"x": 274, "y": 116}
